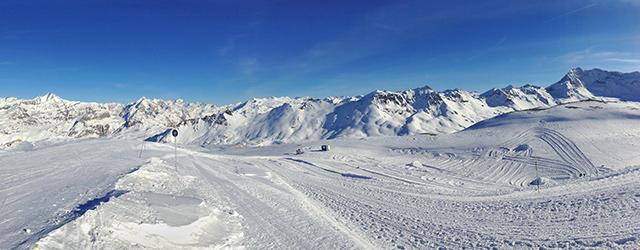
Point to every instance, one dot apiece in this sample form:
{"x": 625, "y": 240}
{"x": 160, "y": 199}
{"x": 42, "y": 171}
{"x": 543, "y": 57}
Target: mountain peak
{"x": 49, "y": 98}
{"x": 624, "y": 86}
{"x": 570, "y": 87}
{"x": 576, "y": 70}
{"x": 425, "y": 87}
{"x": 140, "y": 102}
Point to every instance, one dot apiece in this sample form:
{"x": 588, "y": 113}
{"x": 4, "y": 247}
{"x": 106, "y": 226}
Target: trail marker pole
{"x": 141, "y": 149}
{"x": 538, "y": 175}
{"x": 175, "y": 146}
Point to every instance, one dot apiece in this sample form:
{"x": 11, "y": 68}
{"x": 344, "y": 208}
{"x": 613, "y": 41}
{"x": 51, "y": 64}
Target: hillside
{"x": 562, "y": 177}
{"x": 263, "y": 121}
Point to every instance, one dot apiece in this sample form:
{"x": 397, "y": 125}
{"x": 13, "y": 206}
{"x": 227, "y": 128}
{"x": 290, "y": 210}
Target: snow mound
{"x": 158, "y": 210}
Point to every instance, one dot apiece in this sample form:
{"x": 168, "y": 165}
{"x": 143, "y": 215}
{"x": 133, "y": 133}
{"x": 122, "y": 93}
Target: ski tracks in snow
{"x": 276, "y": 214}
{"x": 207, "y": 202}
{"x": 314, "y": 202}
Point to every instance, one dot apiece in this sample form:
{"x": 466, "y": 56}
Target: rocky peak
{"x": 48, "y": 98}
{"x": 570, "y": 87}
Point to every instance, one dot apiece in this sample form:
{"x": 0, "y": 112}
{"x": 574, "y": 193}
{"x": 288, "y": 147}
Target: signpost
{"x": 141, "y": 149}
{"x": 538, "y": 176}
{"x": 174, "y": 132}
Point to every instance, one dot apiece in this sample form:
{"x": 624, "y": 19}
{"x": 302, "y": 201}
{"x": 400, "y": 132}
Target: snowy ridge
{"x": 570, "y": 88}
{"x": 625, "y": 86}
{"x": 263, "y": 121}
{"x": 525, "y": 97}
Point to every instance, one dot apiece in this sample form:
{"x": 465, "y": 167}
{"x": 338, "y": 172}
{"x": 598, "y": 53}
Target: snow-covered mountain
{"x": 262, "y": 121}
{"x": 49, "y": 118}
{"x": 581, "y": 84}
{"x": 625, "y": 86}
{"x": 525, "y": 97}
{"x": 570, "y": 88}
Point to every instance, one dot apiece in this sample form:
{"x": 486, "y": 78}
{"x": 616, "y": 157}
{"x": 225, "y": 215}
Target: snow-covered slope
{"x": 412, "y": 111}
{"x": 42, "y": 189}
{"x": 519, "y": 98}
{"x": 476, "y": 189}
{"x": 286, "y": 120}
{"x": 570, "y": 88}
{"x": 625, "y": 86}
{"x": 581, "y": 84}
{"x": 51, "y": 118}
{"x": 147, "y": 117}
{"x": 263, "y": 121}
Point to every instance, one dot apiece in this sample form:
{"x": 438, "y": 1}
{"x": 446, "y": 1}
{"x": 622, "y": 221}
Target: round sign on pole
{"x": 175, "y": 146}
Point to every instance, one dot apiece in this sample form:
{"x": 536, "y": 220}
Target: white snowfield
{"x": 45, "y": 188}
{"x": 477, "y": 188}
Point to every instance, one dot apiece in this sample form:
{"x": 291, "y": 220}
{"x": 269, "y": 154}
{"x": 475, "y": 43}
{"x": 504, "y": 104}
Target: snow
{"x": 50, "y": 119}
{"x": 159, "y": 210}
{"x": 516, "y": 167}
{"x": 42, "y": 189}
{"x": 625, "y": 86}
{"x": 519, "y": 98}
{"x": 467, "y": 189}
{"x": 570, "y": 88}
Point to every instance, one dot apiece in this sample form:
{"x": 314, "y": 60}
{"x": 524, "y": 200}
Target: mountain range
{"x": 263, "y": 121}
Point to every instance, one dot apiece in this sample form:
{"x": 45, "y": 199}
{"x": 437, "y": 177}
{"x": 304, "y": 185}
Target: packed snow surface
{"x": 564, "y": 176}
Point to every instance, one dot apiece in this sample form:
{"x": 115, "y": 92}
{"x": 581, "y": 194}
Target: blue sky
{"x": 227, "y": 51}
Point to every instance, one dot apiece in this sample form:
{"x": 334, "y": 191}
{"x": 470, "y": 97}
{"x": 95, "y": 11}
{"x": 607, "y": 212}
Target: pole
{"x": 141, "y": 149}
{"x": 538, "y": 176}
{"x": 174, "y": 132}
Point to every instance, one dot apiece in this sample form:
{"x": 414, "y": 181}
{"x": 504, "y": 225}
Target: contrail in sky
{"x": 571, "y": 12}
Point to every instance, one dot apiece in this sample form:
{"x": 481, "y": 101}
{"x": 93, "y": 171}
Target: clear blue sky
{"x": 227, "y": 51}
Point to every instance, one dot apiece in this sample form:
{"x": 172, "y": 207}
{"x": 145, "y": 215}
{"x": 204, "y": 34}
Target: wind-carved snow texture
{"x": 264, "y": 121}
{"x": 157, "y": 209}
{"x": 43, "y": 189}
{"x": 472, "y": 189}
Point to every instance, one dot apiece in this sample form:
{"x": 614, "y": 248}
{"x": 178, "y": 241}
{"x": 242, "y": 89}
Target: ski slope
{"x": 45, "y": 188}
{"x": 468, "y": 189}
